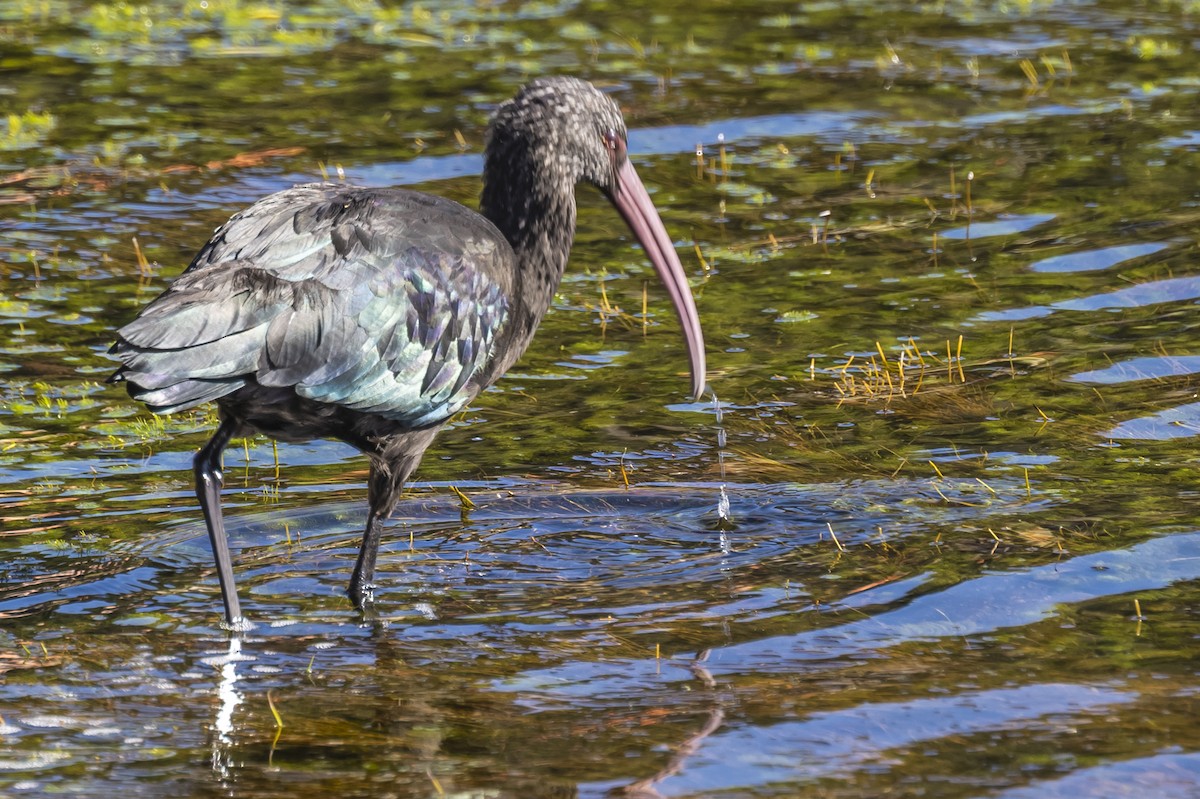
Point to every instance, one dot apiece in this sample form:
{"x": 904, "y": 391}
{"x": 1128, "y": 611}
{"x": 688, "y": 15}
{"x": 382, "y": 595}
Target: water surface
{"x": 939, "y": 537}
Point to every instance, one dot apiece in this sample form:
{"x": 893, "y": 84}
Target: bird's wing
{"x": 385, "y": 301}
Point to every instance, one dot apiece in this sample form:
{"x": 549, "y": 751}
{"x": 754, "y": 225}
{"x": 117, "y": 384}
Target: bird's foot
{"x": 362, "y": 595}
{"x": 237, "y": 626}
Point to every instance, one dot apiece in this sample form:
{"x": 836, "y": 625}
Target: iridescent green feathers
{"x": 320, "y": 288}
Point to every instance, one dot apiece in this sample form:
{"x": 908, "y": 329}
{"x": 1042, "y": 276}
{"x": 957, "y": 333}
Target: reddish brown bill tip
{"x": 633, "y": 203}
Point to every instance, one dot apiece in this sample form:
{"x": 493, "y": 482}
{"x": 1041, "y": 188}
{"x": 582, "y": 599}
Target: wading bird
{"x": 372, "y": 316}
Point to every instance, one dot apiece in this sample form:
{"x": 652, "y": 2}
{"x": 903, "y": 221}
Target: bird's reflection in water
{"x": 405, "y": 697}
{"x": 228, "y": 699}
{"x": 646, "y": 788}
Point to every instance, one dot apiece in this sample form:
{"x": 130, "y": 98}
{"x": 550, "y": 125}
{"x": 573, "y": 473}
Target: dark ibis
{"x": 373, "y": 315}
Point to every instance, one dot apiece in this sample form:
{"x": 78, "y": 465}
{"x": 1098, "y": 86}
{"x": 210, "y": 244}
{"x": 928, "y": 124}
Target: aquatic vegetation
{"x": 1146, "y": 47}
{"x": 42, "y": 398}
{"x": 28, "y": 129}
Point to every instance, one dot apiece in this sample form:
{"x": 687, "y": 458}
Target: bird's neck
{"x": 538, "y": 220}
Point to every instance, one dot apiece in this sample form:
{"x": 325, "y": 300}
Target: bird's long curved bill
{"x": 633, "y": 203}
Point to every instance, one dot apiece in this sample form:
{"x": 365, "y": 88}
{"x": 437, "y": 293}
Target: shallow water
{"x": 939, "y": 538}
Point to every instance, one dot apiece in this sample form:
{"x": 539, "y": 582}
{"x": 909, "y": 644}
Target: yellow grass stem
{"x": 916, "y": 350}
{"x": 1012, "y": 366}
{"x": 882, "y": 357}
{"x": 1030, "y": 73}
{"x": 274, "y": 712}
{"x": 833, "y": 535}
{"x": 645, "y": 308}
{"x": 143, "y": 264}
{"x": 463, "y": 499}
{"x": 437, "y": 786}
{"x": 961, "y": 375}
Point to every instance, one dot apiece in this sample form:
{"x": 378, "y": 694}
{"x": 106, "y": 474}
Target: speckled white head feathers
{"x": 566, "y": 124}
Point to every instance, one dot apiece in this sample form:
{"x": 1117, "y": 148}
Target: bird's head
{"x": 573, "y": 131}
{"x": 561, "y": 131}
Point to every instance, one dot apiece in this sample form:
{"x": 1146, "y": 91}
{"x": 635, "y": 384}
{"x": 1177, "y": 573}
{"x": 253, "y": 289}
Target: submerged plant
{"x": 28, "y": 129}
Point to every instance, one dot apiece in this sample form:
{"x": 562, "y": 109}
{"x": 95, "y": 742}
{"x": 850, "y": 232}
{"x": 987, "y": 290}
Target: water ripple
{"x": 1182, "y": 421}
{"x": 1154, "y": 292}
{"x": 1091, "y": 260}
{"x": 1134, "y": 369}
{"x": 1003, "y": 225}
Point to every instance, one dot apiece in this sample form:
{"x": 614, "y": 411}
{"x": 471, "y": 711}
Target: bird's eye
{"x": 614, "y": 144}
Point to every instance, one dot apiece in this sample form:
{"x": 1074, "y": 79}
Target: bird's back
{"x": 383, "y": 301}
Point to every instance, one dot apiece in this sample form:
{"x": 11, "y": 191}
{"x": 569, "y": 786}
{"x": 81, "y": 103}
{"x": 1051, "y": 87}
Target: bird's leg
{"x": 207, "y": 466}
{"x": 363, "y": 580}
{"x": 393, "y": 459}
